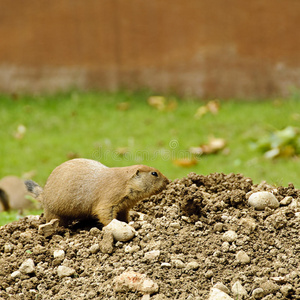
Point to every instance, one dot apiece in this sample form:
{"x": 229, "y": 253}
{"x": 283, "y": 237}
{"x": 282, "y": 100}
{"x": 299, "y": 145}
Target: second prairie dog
{"x": 83, "y": 188}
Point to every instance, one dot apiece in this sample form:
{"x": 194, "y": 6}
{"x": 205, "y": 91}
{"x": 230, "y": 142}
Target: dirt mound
{"x": 197, "y": 232}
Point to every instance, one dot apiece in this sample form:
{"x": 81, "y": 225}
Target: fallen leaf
{"x": 212, "y": 107}
{"x": 158, "y": 102}
{"x": 185, "y": 162}
{"x": 214, "y": 145}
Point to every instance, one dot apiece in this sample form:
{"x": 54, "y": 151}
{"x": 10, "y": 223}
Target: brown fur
{"x": 13, "y": 194}
{"x": 83, "y": 188}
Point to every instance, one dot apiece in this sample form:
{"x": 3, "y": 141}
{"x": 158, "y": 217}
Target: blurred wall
{"x": 207, "y": 48}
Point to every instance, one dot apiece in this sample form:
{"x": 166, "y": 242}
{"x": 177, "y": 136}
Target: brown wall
{"x": 208, "y": 48}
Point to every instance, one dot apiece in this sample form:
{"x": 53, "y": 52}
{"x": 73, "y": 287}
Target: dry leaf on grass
{"x": 212, "y": 107}
{"x": 185, "y": 162}
{"x": 213, "y": 146}
{"x": 162, "y": 104}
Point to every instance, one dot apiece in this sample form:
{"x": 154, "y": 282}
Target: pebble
{"x": 222, "y": 287}
{"x": 216, "y": 294}
{"x": 238, "y": 290}
{"x": 121, "y": 231}
{"x": 286, "y": 201}
{"x": 165, "y": 265}
{"x": 209, "y": 274}
{"x": 63, "y": 271}
{"x": 152, "y": 255}
{"x": 107, "y": 243}
{"x": 261, "y": 200}
{"x": 8, "y": 248}
{"x": 258, "y": 293}
{"x": 59, "y": 254}
{"x": 218, "y": 227}
{"x": 95, "y": 248}
{"x": 134, "y": 281}
{"x": 229, "y": 236}
{"x": 193, "y": 265}
{"x": 179, "y": 264}
{"x": 15, "y": 274}
{"x": 225, "y": 246}
{"x": 242, "y": 257}
{"x": 27, "y": 266}
{"x": 131, "y": 249}
{"x": 48, "y": 229}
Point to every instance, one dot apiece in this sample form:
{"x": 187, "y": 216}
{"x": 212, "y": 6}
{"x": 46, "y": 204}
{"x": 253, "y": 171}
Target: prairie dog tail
{"x": 4, "y": 200}
{"x": 33, "y": 187}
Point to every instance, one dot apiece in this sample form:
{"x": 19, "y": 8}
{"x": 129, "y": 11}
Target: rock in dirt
{"x": 121, "y": 231}
{"x": 239, "y": 291}
{"x": 63, "y": 271}
{"x": 107, "y": 243}
{"x": 229, "y": 236}
{"x": 134, "y": 281}
{"x": 261, "y": 200}
{"x": 217, "y": 294}
{"x": 49, "y": 229}
{"x": 222, "y": 287}
{"x": 242, "y": 257}
{"x": 27, "y": 266}
{"x": 258, "y": 293}
{"x": 59, "y": 254}
{"x": 152, "y": 255}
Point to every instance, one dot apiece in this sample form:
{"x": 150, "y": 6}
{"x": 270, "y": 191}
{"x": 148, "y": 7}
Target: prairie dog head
{"x": 146, "y": 181}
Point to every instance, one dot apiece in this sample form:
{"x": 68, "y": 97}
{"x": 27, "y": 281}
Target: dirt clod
{"x": 179, "y": 248}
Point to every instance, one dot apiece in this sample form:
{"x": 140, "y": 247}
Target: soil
{"x": 186, "y": 223}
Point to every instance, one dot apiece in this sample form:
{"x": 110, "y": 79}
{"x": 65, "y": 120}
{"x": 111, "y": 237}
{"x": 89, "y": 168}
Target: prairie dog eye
{"x": 154, "y": 174}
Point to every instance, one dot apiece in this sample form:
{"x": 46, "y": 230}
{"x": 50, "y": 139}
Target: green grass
{"x": 90, "y": 125}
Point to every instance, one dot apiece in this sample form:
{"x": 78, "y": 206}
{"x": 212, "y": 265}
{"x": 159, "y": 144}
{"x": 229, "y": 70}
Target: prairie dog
{"x": 83, "y": 188}
{"x": 13, "y": 194}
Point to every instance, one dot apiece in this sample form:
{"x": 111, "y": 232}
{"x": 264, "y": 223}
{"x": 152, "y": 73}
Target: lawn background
{"x": 119, "y": 129}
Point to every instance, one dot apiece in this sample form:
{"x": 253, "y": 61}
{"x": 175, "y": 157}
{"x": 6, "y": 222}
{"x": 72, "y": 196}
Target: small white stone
{"x": 132, "y": 249}
{"x": 216, "y": 294}
{"x": 152, "y": 255}
{"x": 121, "y": 231}
{"x": 222, "y": 287}
{"x": 27, "y": 266}
{"x": 63, "y": 271}
{"x": 238, "y": 290}
{"x": 261, "y": 200}
{"x": 8, "y": 248}
{"x": 15, "y": 274}
{"x": 229, "y": 236}
{"x": 95, "y": 248}
{"x": 286, "y": 200}
{"x": 60, "y": 254}
{"x": 225, "y": 246}
{"x": 165, "y": 265}
{"x": 193, "y": 265}
{"x": 242, "y": 257}
{"x": 179, "y": 264}
{"x": 258, "y": 293}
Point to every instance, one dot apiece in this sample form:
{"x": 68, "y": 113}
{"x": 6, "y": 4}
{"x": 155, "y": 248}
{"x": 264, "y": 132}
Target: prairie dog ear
{"x": 137, "y": 172}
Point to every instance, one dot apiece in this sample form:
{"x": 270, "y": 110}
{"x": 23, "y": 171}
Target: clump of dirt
{"x": 197, "y": 232}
